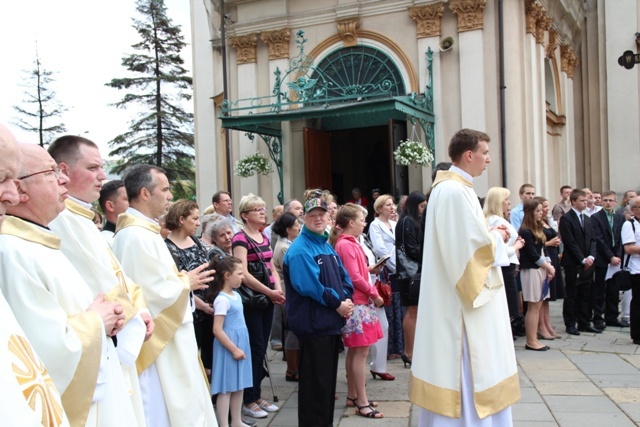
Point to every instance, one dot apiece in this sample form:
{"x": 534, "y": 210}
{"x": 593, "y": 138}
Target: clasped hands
{"x": 346, "y": 308}
{"x": 504, "y": 232}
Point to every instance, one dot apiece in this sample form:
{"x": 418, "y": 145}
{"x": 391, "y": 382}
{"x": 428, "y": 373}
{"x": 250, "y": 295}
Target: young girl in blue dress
{"x": 231, "y": 368}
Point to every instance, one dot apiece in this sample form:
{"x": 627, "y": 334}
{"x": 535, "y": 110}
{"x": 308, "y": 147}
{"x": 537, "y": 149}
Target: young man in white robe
{"x": 464, "y": 369}
{"x": 65, "y": 324}
{"x": 29, "y": 396}
{"x": 173, "y": 383}
{"x": 79, "y": 159}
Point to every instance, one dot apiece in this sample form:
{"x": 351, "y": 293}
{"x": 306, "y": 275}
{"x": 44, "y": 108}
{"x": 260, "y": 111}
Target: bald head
{"x": 9, "y": 168}
{"x": 41, "y": 187}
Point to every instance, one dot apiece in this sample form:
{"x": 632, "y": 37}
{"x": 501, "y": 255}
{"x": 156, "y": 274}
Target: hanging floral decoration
{"x": 253, "y": 164}
{"x": 413, "y": 153}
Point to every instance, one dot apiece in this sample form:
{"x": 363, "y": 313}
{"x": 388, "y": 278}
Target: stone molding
{"x": 542, "y": 25}
{"x": 533, "y": 12}
{"x": 552, "y": 45}
{"x": 568, "y": 60}
{"x": 470, "y": 13}
{"x": 246, "y": 48}
{"x": 348, "y": 29}
{"x": 427, "y": 19}
{"x": 278, "y": 42}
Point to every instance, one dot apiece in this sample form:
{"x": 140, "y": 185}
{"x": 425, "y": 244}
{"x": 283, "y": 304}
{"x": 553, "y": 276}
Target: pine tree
{"x": 162, "y": 133}
{"x": 42, "y": 105}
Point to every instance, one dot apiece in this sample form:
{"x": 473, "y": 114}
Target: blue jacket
{"x": 316, "y": 284}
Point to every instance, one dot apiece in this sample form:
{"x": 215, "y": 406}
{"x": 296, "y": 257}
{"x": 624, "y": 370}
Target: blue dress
{"x": 229, "y": 375}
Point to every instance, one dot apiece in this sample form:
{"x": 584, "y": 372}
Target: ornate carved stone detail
{"x": 427, "y": 19}
{"x": 568, "y": 60}
{"x": 542, "y": 25}
{"x": 246, "y": 48}
{"x": 278, "y": 42}
{"x": 534, "y": 11}
{"x": 470, "y": 13}
{"x": 348, "y": 29}
{"x": 552, "y": 45}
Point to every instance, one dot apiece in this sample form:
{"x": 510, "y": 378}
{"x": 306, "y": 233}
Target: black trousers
{"x": 259, "y": 326}
{"x": 317, "y": 386}
{"x": 511, "y": 290}
{"x": 577, "y": 302}
{"x": 605, "y": 298}
{"x": 634, "y": 310}
{"x": 204, "y": 338}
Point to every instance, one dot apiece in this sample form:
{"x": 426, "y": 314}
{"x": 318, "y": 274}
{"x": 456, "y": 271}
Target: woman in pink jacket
{"x": 362, "y": 328}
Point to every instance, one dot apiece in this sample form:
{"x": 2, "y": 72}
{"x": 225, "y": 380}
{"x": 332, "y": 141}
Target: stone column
{"x": 278, "y": 43}
{"x": 247, "y": 87}
{"x": 472, "y": 71}
{"x": 568, "y": 63}
{"x": 428, "y": 19}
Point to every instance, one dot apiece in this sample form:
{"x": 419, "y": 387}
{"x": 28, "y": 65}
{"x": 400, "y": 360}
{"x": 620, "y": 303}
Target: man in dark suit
{"x": 607, "y": 225}
{"x": 579, "y": 255}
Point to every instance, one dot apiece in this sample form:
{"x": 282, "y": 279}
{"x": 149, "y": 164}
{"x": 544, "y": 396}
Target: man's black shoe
{"x": 619, "y": 323}
{"x": 590, "y": 329}
{"x": 636, "y": 342}
{"x": 600, "y": 325}
{"x": 571, "y": 330}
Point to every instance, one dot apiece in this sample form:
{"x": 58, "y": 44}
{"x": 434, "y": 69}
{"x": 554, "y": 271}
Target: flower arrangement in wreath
{"x": 253, "y": 164}
{"x": 412, "y": 153}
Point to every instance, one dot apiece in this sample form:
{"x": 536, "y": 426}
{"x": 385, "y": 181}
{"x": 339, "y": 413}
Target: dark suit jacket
{"x": 530, "y": 252}
{"x": 578, "y": 243}
{"x": 605, "y": 246}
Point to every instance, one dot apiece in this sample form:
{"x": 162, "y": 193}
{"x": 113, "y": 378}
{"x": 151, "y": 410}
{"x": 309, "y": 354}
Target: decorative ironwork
{"x": 426, "y": 101}
{"x": 274, "y": 146}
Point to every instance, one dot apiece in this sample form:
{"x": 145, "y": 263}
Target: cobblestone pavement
{"x": 583, "y": 381}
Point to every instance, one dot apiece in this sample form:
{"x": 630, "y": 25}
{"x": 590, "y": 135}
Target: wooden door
{"x": 317, "y": 159}
{"x": 399, "y": 174}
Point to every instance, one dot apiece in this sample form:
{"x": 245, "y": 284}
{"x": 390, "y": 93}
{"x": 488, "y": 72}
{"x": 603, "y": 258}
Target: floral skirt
{"x": 362, "y": 328}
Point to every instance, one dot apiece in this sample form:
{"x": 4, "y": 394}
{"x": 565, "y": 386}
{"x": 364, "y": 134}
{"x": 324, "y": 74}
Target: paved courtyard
{"x": 583, "y": 381}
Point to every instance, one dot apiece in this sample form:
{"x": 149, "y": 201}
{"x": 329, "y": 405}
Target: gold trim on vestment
{"x": 78, "y": 209}
{"x": 14, "y": 226}
{"x": 475, "y": 274}
{"x": 447, "y": 402}
{"x": 76, "y": 399}
{"x": 166, "y": 325}
{"x": 447, "y": 175}
{"x": 127, "y": 220}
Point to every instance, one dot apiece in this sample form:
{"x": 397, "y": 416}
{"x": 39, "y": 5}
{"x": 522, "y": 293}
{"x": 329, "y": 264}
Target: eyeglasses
{"x": 263, "y": 209}
{"x": 55, "y": 170}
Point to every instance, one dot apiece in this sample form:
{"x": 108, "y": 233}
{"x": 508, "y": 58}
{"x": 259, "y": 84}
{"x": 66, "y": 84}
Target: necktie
{"x": 582, "y": 220}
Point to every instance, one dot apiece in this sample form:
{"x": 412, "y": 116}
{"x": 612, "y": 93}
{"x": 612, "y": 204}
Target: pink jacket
{"x": 355, "y": 262}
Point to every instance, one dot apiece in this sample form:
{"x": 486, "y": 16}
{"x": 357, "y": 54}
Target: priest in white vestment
{"x": 79, "y": 159}
{"x": 29, "y": 396}
{"x": 464, "y": 369}
{"x": 174, "y": 386}
{"x": 64, "y": 323}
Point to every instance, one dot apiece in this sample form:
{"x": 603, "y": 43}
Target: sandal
{"x": 371, "y": 414}
{"x": 291, "y": 376}
{"x": 351, "y": 403}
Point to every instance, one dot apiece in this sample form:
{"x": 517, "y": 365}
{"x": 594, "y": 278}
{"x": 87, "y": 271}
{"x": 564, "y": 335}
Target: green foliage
{"x": 42, "y": 106}
{"x": 252, "y": 164}
{"x": 162, "y": 132}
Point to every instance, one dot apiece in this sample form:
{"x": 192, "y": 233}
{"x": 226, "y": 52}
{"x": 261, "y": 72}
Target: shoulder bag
{"x": 623, "y": 277}
{"x": 406, "y": 268}
{"x": 259, "y": 270}
{"x": 384, "y": 289}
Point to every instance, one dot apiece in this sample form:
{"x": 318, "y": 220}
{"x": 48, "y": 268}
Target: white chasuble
{"x": 29, "y": 396}
{"x": 90, "y": 253}
{"x": 172, "y": 351}
{"x": 461, "y": 294}
{"x": 49, "y": 299}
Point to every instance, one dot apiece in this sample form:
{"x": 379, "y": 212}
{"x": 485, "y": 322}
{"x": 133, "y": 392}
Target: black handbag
{"x": 623, "y": 277}
{"x": 406, "y": 268}
{"x": 259, "y": 270}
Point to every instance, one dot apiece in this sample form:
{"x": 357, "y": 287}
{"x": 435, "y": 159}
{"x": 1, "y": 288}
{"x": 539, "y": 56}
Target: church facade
{"x": 327, "y": 90}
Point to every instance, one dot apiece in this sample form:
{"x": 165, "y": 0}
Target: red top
{"x": 355, "y": 262}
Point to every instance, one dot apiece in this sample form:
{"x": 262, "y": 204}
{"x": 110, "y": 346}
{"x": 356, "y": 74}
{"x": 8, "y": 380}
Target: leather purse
{"x": 259, "y": 270}
{"x": 623, "y": 277}
{"x": 384, "y": 289}
{"x": 406, "y": 268}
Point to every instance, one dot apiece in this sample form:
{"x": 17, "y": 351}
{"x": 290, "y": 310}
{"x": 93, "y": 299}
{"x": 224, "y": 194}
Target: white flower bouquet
{"x": 413, "y": 153}
{"x": 252, "y": 164}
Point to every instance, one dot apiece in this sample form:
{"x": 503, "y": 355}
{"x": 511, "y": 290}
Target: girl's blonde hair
{"x": 493, "y": 201}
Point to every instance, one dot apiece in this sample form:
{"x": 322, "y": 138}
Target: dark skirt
{"x": 409, "y": 292}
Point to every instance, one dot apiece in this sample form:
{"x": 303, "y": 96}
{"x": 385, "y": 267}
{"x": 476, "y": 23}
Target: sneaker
{"x": 269, "y": 407}
{"x": 254, "y": 411}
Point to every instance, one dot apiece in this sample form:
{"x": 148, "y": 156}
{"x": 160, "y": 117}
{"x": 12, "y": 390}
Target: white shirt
{"x": 629, "y": 237}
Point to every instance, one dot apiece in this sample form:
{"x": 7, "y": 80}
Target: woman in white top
{"x": 496, "y": 205}
{"x": 382, "y": 233}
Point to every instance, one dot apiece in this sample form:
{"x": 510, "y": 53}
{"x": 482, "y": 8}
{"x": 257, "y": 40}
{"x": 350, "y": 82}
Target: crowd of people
{"x": 146, "y": 311}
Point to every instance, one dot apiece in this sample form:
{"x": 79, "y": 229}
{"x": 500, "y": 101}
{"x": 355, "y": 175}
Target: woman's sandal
{"x": 371, "y": 414}
{"x": 351, "y": 403}
{"x": 291, "y": 376}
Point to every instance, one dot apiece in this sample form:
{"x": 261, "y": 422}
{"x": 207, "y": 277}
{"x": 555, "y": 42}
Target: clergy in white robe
{"x": 464, "y": 370}
{"x": 49, "y": 299}
{"x": 29, "y": 396}
{"x": 89, "y": 252}
{"x": 171, "y": 355}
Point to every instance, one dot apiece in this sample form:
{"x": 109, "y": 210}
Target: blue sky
{"x": 82, "y": 42}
